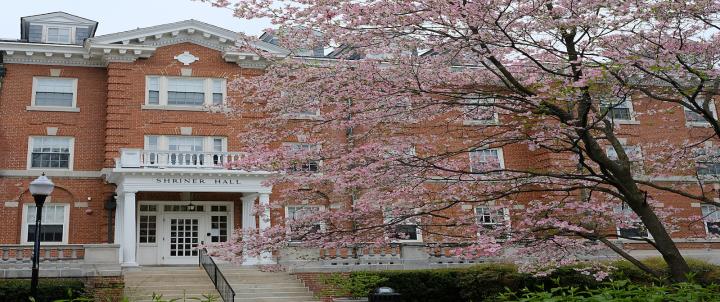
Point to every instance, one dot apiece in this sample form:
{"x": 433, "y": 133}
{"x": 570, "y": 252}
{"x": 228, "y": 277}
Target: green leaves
{"x": 620, "y": 291}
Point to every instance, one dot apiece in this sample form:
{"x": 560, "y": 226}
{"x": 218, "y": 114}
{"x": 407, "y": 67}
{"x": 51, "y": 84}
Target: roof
{"x": 56, "y": 18}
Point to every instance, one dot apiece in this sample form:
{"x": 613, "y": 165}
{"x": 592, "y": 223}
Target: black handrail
{"x": 217, "y": 277}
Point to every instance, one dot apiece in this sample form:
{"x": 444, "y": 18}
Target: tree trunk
{"x": 679, "y": 268}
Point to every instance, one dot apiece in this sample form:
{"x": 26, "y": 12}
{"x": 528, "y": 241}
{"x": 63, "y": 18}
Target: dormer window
{"x": 56, "y": 28}
{"x": 58, "y": 34}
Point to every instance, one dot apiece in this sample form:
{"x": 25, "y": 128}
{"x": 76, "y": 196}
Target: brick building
{"x": 120, "y": 122}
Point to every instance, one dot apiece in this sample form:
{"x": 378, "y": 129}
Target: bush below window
{"x": 48, "y": 289}
{"x": 486, "y": 282}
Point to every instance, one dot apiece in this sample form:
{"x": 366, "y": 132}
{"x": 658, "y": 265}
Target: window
{"x": 405, "y": 230}
{"x": 148, "y": 229}
{"x": 54, "y": 92}
{"x": 634, "y": 154}
{"x": 187, "y": 92}
{"x": 694, "y": 118}
{"x": 483, "y": 160}
{"x": 711, "y": 217}
{"x": 617, "y": 110}
{"x": 705, "y": 168}
{"x": 54, "y": 223}
{"x": 479, "y": 110}
{"x": 300, "y": 222}
{"x": 53, "y": 152}
{"x": 304, "y": 165}
{"x": 57, "y": 34}
{"x": 299, "y": 107}
{"x": 218, "y": 228}
{"x": 630, "y": 225}
{"x": 490, "y": 217}
{"x": 153, "y": 90}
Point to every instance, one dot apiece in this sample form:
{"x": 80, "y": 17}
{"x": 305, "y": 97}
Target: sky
{"x": 116, "y": 16}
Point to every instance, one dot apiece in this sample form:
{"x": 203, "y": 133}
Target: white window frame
{"x": 163, "y": 93}
{"x": 317, "y": 146}
{"x": 164, "y": 142}
{"x": 71, "y": 159}
{"x": 474, "y": 99}
{"x": 617, "y": 228}
{"x": 322, "y": 224}
{"x": 46, "y": 36}
{"x": 501, "y": 157}
{"x": 714, "y": 212}
{"x": 703, "y": 123}
{"x": 34, "y": 107}
{"x": 505, "y": 217}
{"x": 639, "y": 162}
{"x": 158, "y": 229}
{"x": 25, "y": 223}
{"x": 387, "y": 219}
{"x": 302, "y": 115}
{"x": 628, "y": 102}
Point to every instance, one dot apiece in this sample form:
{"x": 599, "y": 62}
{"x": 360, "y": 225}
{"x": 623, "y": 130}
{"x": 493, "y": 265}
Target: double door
{"x": 185, "y": 232}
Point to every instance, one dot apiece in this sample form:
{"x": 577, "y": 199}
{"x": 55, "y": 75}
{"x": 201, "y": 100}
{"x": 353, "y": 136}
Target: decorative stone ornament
{"x": 186, "y": 58}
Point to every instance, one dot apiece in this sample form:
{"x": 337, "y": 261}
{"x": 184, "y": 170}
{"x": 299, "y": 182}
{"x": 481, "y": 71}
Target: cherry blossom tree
{"x": 499, "y": 126}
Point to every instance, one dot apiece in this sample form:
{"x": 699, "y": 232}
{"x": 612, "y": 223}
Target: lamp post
{"x": 40, "y": 188}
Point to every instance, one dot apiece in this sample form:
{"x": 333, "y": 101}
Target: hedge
{"x": 17, "y": 290}
{"x": 485, "y": 282}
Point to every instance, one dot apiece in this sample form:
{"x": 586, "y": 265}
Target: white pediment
{"x": 59, "y": 18}
{"x": 191, "y": 31}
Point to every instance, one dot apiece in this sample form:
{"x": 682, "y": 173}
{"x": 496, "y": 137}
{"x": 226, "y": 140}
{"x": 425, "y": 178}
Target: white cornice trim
{"x": 169, "y": 28}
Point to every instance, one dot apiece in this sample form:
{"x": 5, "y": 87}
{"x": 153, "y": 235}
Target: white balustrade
{"x": 137, "y": 158}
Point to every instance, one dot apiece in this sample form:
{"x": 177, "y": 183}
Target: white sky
{"x": 116, "y": 16}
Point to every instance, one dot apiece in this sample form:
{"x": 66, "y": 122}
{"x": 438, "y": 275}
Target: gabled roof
{"x": 168, "y": 28}
{"x": 56, "y": 18}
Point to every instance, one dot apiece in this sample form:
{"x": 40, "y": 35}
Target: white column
{"x": 129, "y": 227}
{"x": 248, "y": 218}
{"x": 248, "y": 221}
{"x": 264, "y": 223}
{"x": 119, "y": 225}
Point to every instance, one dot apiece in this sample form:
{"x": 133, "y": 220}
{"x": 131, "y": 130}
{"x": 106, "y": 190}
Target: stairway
{"x": 190, "y": 282}
{"x": 250, "y": 284}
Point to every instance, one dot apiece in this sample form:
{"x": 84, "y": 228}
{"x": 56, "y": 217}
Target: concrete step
{"x": 275, "y": 294}
{"x": 251, "y": 284}
{"x": 277, "y": 299}
{"x": 188, "y": 283}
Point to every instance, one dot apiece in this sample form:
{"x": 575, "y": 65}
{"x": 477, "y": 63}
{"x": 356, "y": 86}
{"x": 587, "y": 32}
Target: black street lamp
{"x": 40, "y": 188}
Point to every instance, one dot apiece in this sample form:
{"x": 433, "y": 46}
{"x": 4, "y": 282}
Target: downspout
{"x": 2, "y": 71}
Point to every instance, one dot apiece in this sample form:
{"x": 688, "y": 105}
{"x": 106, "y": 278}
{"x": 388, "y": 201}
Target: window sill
{"x": 480, "y": 123}
{"x": 184, "y": 108}
{"x": 52, "y": 108}
{"x": 626, "y": 122}
{"x": 697, "y": 124}
{"x": 310, "y": 117}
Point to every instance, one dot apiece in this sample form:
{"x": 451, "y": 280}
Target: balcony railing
{"x": 138, "y": 158}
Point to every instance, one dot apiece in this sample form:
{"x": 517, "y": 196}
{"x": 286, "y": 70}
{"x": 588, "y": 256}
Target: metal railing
{"x": 217, "y": 277}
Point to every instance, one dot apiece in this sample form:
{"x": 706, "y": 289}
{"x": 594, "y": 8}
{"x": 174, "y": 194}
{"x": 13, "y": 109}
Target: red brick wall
{"x": 315, "y": 282}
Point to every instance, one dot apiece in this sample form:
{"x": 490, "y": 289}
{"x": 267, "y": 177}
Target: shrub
{"x": 485, "y": 282}
{"x": 359, "y": 285}
{"x": 621, "y": 291}
{"x": 12, "y": 290}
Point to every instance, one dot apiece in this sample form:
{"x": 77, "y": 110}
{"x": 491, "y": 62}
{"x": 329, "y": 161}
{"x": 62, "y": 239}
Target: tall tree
{"x": 453, "y": 115}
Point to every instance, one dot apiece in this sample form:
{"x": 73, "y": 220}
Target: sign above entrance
{"x": 198, "y": 181}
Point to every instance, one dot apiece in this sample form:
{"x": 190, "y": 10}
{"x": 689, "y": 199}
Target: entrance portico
{"x": 176, "y": 227}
